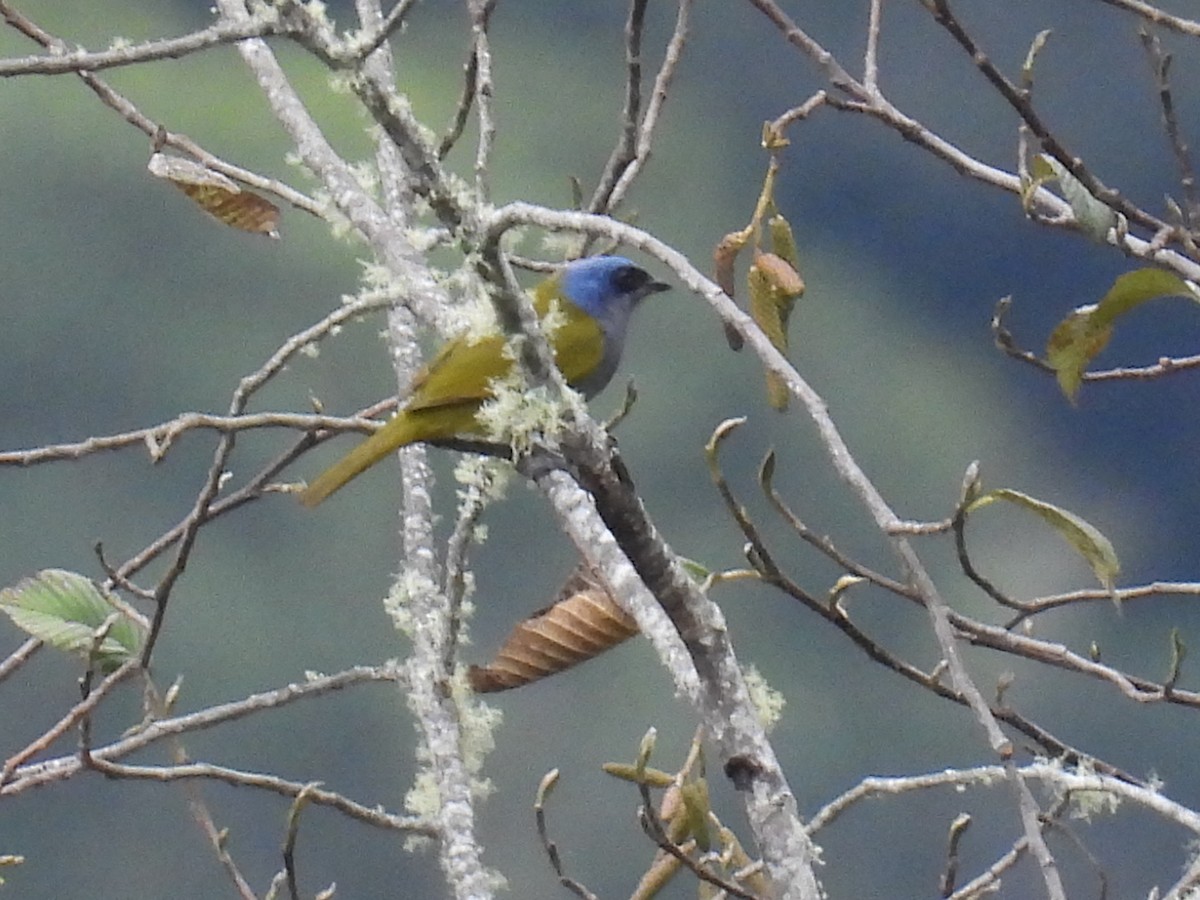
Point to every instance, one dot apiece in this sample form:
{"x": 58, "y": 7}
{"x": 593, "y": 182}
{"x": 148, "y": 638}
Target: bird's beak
{"x": 655, "y": 287}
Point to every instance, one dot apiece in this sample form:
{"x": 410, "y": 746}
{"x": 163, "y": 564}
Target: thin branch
{"x": 959, "y": 524}
{"x": 1135, "y": 688}
{"x": 69, "y": 62}
{"x": 1048, "y": 208}
{"x": 485, "y": 87}
{"x": 153, "y": 130}
{"x": 636, "y": 138}
{"x": 653, "y": 827}
{"x": 1051, "y": 773}
{"x": 159, "y": 438}
{"x": 199, "y": 771}
{"x": 19, "y": 657}
{"x": 624, "y": 151}
{"x": 73, "y": 717}
{"x": 375, "y": 33}
{"x": 658, "y": 98}
{"x": 942, "y": 14}
{"x": 1121, "y": 596}
{"x": 1157, "y": 16}
{"x": 1160, "y": 62}
{"x": 21, "y": 777}
{"x": 871, "y": 58}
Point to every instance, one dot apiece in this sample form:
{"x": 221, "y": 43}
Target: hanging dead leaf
{"x": 222, "y": 198}
{"x": 724, "y": 256}
{"x": 583, "y": 622}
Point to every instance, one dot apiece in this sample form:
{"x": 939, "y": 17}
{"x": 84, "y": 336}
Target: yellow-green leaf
{"x": 1078, "y": 338}
{"x": 694, "y": 795}
{"x": 1074, "y": 343}
{"x": 65, "y": 610}
{"x": 1080, "y": 534}
{"x": 774, "y": 286}
{"x": 783, "y": 242}
{"x": 648, "y": 775}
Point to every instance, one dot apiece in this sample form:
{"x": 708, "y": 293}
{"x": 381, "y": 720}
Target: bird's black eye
{"x": 629, "y": 278}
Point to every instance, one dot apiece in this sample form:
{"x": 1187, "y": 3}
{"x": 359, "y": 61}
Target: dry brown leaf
{"x": 222, "y": 198}
{"x": 583, "y": 622}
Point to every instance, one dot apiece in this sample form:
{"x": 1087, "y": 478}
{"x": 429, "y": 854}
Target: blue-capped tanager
{"x": 596, "y": 297}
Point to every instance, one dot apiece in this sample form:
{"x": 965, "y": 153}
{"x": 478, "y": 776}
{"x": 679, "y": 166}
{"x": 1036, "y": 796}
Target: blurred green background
{"x": 124, "y": 306}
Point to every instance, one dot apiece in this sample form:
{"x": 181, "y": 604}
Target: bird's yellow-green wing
{"x": 460, "y": 373}
{"x": 447, "y": 393}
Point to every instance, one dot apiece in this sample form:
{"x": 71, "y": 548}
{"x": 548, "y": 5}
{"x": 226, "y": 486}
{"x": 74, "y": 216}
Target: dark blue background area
{"x": 124, "y": 306}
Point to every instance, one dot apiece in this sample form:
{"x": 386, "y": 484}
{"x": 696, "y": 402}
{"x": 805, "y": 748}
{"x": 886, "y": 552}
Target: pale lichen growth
{"x": 341, "y": 83}
{"x": 366, "y": 175}
{"x": 376, "y": 276}
{"x": 1085, "y": 804}
{"x": 408, "y": 584}
{"x": 563, "y": 244}
{"x": 768, "y": 702}
{"x": 462, "y": 192}
{"x": 479, "y": 723}
{"x": 473, "y": 316}
{"x": 511, "y": 240}
{"x": 554, "y": 319}
{"x": 520, "y": 416}
{"x": 482, "y": 480}
{"x": 423, "y": 240}
{"x": 318, "y": 13}
{"x": 423, "y": 799}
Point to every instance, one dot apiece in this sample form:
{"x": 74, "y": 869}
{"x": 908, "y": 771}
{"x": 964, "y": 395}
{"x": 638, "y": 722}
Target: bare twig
{"x": 21, "y": 776}
{"x": 74, "y": 716}
{"x": 156, "y": 132}
{"x": 871, "y": 58}
{"x": 942, "y": 14}
{"x": 636, "y": 139}
{"x": 66, "y": 62}
{"x": 1158, "y": 16}
{"x": 485, "y": 87}
{"x": 1160, "y": 61}
{"x": 19, "y": 657}
{"x": 159, "y": 438}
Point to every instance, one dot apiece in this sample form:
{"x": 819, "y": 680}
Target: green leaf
{"x": 774, "y": 285}
{"x": 783, "y": 242}
{"x": 64, "y": 609}
{"x": 1078, "y": 338}
{"x": 1094, "y": 218}
{"x": 697, "y": 571}
{"x": 1080, "y": 534}
{"x": 694, "y": 795}
{"x": 1074, "y": 343}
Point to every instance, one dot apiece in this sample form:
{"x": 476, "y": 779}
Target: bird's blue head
{"x": 607, "y": 286}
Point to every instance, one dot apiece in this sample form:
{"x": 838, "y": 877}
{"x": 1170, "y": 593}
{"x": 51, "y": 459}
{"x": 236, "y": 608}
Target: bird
{"x": 596, "y": 297}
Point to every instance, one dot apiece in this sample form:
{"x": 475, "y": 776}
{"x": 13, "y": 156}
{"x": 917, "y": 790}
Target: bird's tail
{"x": 392, "y": 436}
